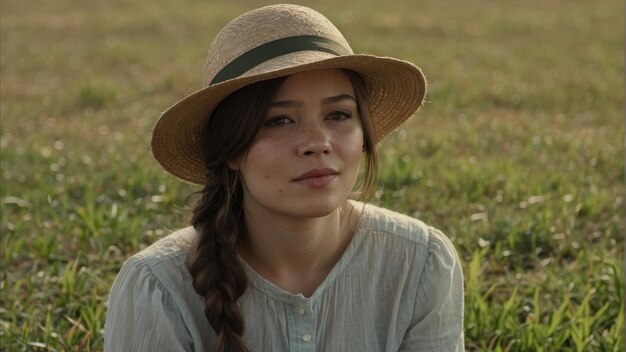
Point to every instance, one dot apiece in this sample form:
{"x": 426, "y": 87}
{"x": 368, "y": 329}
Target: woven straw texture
{"x": 396, "y": 88}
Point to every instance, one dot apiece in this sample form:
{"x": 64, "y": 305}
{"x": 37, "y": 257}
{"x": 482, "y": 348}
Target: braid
{"x": 217, "y": 273}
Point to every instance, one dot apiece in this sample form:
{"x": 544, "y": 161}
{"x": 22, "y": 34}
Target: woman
{"x": 278, "y": 258}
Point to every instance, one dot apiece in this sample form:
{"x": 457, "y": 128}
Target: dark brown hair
{"x": 218, "y": 215}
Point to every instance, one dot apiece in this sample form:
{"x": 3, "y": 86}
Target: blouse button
{"x": 306, "y": 338}
{"x": 301, "y": 311}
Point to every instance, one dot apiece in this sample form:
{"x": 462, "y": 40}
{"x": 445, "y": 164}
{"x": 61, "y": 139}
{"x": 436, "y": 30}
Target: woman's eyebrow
{"x": 297, "y": 103}
{"x": 285, "y": 103}
{"x": 338, "y": 98}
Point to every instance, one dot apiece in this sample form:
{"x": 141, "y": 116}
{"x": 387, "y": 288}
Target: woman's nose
{"x": 314, "y": 141}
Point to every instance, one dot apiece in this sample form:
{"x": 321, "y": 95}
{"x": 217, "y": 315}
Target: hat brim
{"x": 395, "y": 90}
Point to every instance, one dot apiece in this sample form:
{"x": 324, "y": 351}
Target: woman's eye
{"x": 340, "y": 115}
{"x": 277, "y": 121}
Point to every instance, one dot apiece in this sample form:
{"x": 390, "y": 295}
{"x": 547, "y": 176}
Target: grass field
{"x": 518, "y": 155}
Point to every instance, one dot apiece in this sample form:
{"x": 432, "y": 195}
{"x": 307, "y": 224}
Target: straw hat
{"x": 271, "y": 42}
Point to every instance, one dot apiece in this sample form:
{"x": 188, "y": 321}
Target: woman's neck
{"x": 297, "y": 254}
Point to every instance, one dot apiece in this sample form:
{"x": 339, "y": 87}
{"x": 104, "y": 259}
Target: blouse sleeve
{"x": 141, "y": 315}
{"x": 437, "y": 323}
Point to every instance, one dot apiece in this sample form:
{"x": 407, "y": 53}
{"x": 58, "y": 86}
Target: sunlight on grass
{"x": 517, "y": 155}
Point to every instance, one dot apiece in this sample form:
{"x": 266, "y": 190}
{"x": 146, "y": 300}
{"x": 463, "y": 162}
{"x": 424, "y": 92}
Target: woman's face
{"x": 304, "y": 161}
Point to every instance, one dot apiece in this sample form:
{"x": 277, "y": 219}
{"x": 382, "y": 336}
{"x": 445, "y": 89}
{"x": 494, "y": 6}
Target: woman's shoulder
{"x": 152, "y": 297}
{"x": 176, "y": 244}
{"x": 402, "y": 228}
{"x": 394, "y": 224}
{"x": 161, "y": 266}
{"x": 162, "y": 260}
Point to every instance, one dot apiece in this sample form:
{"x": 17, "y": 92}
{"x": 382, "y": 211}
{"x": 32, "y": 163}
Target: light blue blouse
{"x": 397, "y": 287}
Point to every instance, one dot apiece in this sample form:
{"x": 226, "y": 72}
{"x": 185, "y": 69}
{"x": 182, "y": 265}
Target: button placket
{"x": 304, "y": 339}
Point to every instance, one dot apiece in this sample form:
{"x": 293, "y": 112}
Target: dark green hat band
{"x": 276, "y": 48}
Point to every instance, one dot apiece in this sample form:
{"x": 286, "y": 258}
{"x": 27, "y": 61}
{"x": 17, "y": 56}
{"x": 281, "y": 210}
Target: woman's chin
{"x": 314, "y": 208}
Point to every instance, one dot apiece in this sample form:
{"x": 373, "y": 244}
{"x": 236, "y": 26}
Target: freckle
{"x": 267, "y": 176}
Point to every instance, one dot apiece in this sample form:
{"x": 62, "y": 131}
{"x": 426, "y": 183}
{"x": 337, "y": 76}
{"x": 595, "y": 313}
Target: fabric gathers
{"x": 396, "y": 288}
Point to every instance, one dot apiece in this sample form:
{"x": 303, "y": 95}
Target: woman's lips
{"x": 316, "y": 178}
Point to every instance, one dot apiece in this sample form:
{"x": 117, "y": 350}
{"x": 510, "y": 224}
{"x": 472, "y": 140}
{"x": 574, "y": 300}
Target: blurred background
{"x": 518, "y": 155}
